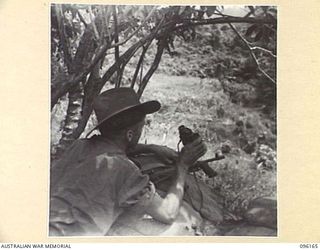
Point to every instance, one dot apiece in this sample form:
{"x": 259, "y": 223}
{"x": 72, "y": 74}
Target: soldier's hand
{"x": 191, "y": 152}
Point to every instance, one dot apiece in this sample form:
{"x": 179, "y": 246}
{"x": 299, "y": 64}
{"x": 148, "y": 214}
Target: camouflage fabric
{"x": 91, "y": 186}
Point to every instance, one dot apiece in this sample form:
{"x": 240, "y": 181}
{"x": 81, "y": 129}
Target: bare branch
{"x": 219, "y": 13}
{"x": 251, "y": 12}
{"x": 222, "y": 20}
{"x": 82, "y": 19}
{"x": 145, "y": 48}
{"x": 106, "y": 11}
{"x": 153, "y": 67}
{"x": 136, "y": 31}
{"x": 95, "y": 30}
{"x": 124, "y": 58}
{"x": 116, "y": 49}
{"x": 75, "y": 78}
{"x": 96, "y": 86}
{"x": 141, "y": 73}
{"x": 90, "y": 92}
{"x": 252, "y": 54}
{"x": 63, "y": 39}
{"x": 264, "y": 50}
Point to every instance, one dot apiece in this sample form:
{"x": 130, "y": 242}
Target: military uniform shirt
{"x": 91, "y": 186}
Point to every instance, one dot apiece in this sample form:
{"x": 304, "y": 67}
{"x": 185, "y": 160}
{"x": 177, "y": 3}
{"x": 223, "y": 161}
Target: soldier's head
{"x": 121, "y": 115}
{"x": 126, "y": 127}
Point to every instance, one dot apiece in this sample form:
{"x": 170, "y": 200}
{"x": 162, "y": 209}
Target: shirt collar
{"x": 110, "y": 146}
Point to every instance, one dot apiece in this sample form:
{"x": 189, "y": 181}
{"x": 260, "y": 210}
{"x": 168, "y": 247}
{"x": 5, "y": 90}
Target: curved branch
{"x": 264, "y": 50}
{"x": 223, "y": 20}
{"x": 91, "y": 92}
{"x": 153, "y": 67}
{"x": 252, "y": 54}
{"x": 82, "y": 19}
{"x": 145, "y": 48}
{"x": 124, "y": 58}
{"x": 135, "y": 32}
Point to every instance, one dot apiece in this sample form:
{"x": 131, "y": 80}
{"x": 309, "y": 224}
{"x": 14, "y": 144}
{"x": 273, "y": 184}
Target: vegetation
{"x": 213, "y": 72}
{"x": 85, "y": 38}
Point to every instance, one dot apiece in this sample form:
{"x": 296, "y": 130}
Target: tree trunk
{"x": 76, "y": 94}
{"x": 72, "y": 118}
{"x": 91, "y": 90}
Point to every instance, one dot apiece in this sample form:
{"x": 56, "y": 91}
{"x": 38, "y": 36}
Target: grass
{"x": 195, "y": 102}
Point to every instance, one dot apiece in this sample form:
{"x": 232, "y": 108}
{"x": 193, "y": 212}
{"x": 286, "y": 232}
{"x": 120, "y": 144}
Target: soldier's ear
{"x": 129, "y": 135}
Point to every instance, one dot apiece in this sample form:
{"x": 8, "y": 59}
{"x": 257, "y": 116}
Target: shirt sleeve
{"x": 136, "y": 188}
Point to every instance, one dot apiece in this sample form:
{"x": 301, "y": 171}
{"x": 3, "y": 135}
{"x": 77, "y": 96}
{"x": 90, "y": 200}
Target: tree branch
{"x": 153, "y": 67}
{"x": 135, "y": 32}
{"x": 82, "y": 19}
{"x": 264, "y": 50}
{"x": 95, "y": 88}
{"x": 63, "y": 39}
{"x": 74, "y": 79}
{"x": 124, "y": 58}
{"x": 252, "y": 54}
{"x": 116, "y": 49}
{"x": 106, "y": 15}
{"x": 164, "y": 30}
{"x": 95, "y": 30}
{"x": 222, "y": 20}
{"x": 90, "y": 92}
{"x": 145, "y": 48}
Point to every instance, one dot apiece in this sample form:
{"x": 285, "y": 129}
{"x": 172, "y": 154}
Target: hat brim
{"x": 145, "y": 108}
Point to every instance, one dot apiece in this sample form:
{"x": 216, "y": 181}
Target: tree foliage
{"x": 86, "y": 38}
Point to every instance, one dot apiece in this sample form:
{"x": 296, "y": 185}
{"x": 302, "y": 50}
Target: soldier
{"x": 94, "y": 183}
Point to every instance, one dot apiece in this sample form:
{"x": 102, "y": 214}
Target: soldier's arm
{"x": 166, "y": 209}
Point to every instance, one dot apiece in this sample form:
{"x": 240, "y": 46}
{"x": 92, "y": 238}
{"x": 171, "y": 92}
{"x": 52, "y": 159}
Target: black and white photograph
{"x": 163, "y": 120}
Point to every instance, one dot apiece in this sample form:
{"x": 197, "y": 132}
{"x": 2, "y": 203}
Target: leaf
{"x": 270, "y": 16}
{"x": 267, "y": 34}
{"x": 272, "y": 10}
{"x": 181, "y": 10}
{"x": 264, "y": 8}
{"x": 188, "y": 12}
{"x": 211, "y": 10}
{"x": 259, "y": 35}
{"x": 200, "y": 14}
{"x": 251, "y": 29}
{"x": 139, "y": 13}
{"x": 251, "y": 8}
{"x": 127, "y": 11}
{"x": 73, "y": 12}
